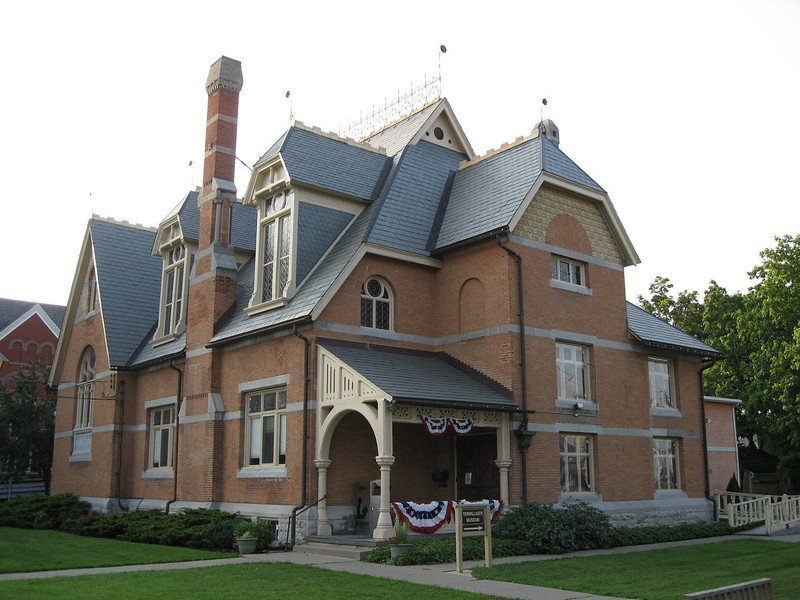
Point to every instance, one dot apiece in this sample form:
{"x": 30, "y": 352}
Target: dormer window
{"x": 172, "y": 316}
{"x": 274, "y": 272}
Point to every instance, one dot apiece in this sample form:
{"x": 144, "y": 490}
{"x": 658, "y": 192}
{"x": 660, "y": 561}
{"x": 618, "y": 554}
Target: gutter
{"x": 304, "y": 457}
{"x": 707, "y": 484}
{"x": 524, "y": 437}
{"x": 178, "y": 404}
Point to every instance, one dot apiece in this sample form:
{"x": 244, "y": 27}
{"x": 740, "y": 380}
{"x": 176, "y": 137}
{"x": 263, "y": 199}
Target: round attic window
{"x": 438, "y": 133}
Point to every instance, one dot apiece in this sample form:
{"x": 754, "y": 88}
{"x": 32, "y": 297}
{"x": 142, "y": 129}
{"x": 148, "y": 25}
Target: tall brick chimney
{"x": 213, "y": 284}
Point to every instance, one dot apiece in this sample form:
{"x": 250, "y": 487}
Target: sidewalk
{"x": 443, "y": 575}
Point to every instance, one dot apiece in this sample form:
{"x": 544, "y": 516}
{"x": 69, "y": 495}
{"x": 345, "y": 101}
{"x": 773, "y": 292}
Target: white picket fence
{"x": 777, "y": 512}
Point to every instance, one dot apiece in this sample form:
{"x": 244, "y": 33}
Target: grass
{"x": 242, "y": 582}
{"x": 26, "y": 550}
{"x": 664, "y": 574}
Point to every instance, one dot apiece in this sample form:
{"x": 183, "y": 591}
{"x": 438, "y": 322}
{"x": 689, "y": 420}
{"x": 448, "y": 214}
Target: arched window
{"x": 83, "y": 415}
{"x": 84, "y": 407}
{"x": 376, "y": 305}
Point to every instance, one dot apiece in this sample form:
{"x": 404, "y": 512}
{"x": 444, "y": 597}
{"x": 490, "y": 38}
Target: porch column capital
{"x": 503, "y": 464}
{"x": 384, "y": 461}
{"x": 323, "y": 464}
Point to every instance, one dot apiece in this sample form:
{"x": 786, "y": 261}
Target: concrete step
{"x": 339, "y": 550}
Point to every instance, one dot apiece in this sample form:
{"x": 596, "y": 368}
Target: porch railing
{"x": 777, "y": 512}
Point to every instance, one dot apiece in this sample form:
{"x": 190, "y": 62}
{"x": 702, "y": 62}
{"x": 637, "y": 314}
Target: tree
{"x": 27, "y": 424}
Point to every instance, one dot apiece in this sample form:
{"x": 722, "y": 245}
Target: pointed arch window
{"x": 84, "y": 406}
{"x": 376, "y": 305}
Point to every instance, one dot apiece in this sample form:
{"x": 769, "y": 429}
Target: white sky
{"x": 687, "y": 113}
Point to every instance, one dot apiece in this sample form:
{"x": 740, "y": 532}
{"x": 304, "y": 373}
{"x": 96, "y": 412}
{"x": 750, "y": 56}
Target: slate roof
{"x": 396, "y": 136}
{"x": 330, "y": 163}
{"x": 414, "y": 192}
{"x": 129, "y": 284}
{"x": 487, "y": 193}
{"x": 243, "y": 222}
{"x": 652, "y": 331}
{"x": 11, "y": 310}
{"x": 429, "y": 377}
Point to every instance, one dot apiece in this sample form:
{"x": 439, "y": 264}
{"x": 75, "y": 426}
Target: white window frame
{"x": 570, "y": 369}
{"x": 575, "y": 271}
{"x": 273, "y": 408}
{"x": 161, "y": 423}
{"x": 661, "y": 381}
{"x": 276, "y": 234}
{"x": 666, "y": 464}
{"x": 174, "y": 292}
{"x": 583, "y": 452}
{"x": 384, "y": 298}
{"x": 84, "y": 403}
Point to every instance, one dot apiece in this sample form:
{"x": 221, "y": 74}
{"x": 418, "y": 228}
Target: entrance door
{"x": 478, "y": 476}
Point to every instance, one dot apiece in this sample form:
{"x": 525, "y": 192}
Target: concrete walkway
{"x": 443, "y": 575}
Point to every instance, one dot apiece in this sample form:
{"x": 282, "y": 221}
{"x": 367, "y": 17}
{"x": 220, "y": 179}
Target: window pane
{"x": 255, "y": 441}
{"x": 281, "y": 399}
{"x": 553, "y": 269}
{"x": 269, "y": 401}
{"x": 366, "y": 312}
{"x": 576, "y": 275}
{"x": 255, "y": 403}
{"x": 382, "y": 315}
{"x": 268, "y": 444}
{"x": 164, "y": 442}
{"x": 563, "y": 271}
{"x": 282, "y": 446}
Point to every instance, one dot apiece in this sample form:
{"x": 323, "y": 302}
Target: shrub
{"x": 437, "y": 551}
{"x": 219, "y": 535}
{"x": 554, "y": 530}
{"x": 656, "y": 534}
{"x": 733, "y": 485}
{"x": 261, "y": 529}
{"x": 61, "y": 511}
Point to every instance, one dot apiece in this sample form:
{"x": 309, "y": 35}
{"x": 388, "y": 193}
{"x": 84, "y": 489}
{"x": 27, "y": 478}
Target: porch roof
{"x": 416, "y": 377}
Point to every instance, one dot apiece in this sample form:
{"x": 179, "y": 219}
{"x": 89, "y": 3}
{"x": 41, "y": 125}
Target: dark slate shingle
{"x": 11, "y": 310}
{"x": 409, "y": 204}
{"x": 129, "y": 282}
{"x": 317, "y": 228}
{"x": 654, "y": 331}
{"x": 425, "y": 376}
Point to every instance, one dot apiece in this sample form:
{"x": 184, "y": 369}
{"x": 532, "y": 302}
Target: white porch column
{"x": 503, "y": 466}
{"x": 384, "y": 529}
{"x": 323, "y": 525}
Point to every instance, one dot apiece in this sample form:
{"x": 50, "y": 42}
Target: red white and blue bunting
{"x": 428, "y": 517}
{"x": 438, "y": 426}
{"x": 424, "y": 517}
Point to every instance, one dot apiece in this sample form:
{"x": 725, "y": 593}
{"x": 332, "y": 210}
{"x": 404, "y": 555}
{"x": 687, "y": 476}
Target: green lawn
{"x": 254, "y": 581}
{"x": 25, "y": 550}
{"x": 664, "y": 574}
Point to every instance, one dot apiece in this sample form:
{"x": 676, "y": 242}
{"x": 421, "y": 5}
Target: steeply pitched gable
{"x": 129, "y": 285}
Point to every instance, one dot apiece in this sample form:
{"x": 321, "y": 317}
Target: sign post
{"x": 472, "y": 520}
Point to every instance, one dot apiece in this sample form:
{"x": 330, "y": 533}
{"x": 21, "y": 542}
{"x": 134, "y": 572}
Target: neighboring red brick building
{"x": 28, "y": 333}
{"x": 284, "y": 350}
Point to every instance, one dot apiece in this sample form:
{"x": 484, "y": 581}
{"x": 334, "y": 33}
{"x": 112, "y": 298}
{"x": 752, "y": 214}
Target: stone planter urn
{"x": 246, "y": 545}
{"x": 399, "y": 549}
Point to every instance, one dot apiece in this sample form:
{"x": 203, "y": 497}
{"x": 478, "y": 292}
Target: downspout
{"x": 178, "y": 403}
{"x": 706, "y": 482}
{"x": 524, "y": 437}
{"x": 304, "y": 457}
{"x": 121, "y": 396}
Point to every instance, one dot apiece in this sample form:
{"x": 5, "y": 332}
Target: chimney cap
{"x": 225, "y": 73}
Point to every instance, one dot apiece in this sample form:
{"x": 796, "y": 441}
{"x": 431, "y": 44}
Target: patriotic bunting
{"x": 428, "y": 517}
{"x": 438, "y": 426}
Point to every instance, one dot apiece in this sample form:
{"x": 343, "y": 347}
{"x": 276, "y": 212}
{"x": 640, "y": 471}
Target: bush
{"x": 60, "y": 512}
{"x": 656, "y": 534}
{"x": 219, "y": 535}
{"x": 261, "y": 529}
{"x": 549, "y": 529}
{"x": 432, "y": 552}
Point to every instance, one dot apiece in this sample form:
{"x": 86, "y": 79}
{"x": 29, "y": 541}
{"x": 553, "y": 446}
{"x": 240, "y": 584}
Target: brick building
{"x": 390, "y": 319}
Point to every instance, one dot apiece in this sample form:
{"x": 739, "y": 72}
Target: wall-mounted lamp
{"x": 578, "y": 406}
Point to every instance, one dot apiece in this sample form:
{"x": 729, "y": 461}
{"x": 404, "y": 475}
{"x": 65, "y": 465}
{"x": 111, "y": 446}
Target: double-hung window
{"x": 572, "y": 372}
{"x": 567, "y": 271}
{"x": 273, "y": 279}
{"x": 576, "y": 463}
{"x": 661, "y": 386}
{"x": 266, "y": 427}
{"x": 665, "y": 464}
{"x": 162, "y": 426}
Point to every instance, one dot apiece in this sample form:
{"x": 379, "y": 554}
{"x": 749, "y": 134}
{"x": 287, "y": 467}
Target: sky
{"x": 686, "y": 112}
